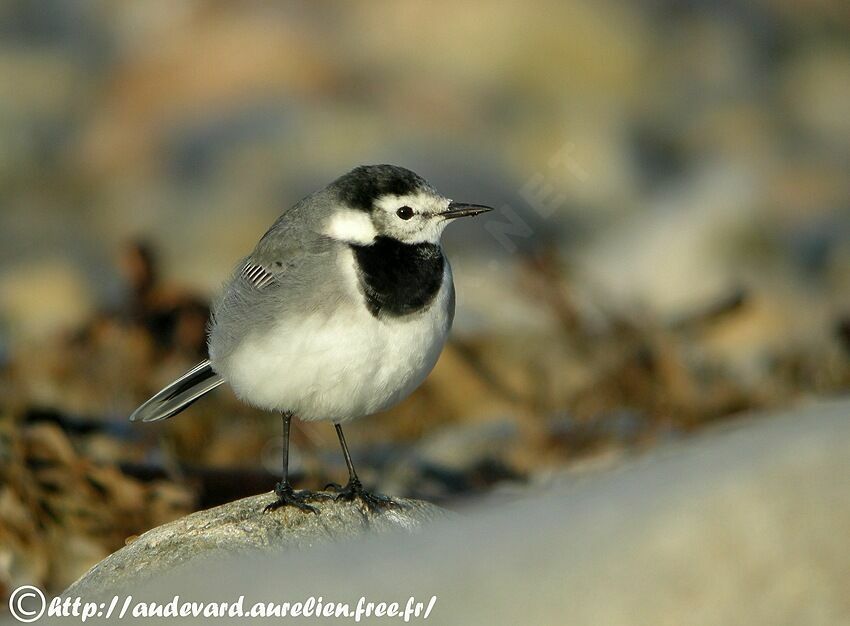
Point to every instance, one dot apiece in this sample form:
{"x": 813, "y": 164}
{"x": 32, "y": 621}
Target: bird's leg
{"x": 286, "y": 496}
{"x": 354, "y": 488}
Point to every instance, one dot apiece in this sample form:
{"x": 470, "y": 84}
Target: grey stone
{"x": 242, "y": 528}
{"x": 745, "y": 524}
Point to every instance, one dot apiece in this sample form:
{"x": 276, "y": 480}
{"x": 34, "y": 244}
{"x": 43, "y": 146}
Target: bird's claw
{"x": 354, "y": 490}
{"x": 286, "y": 496}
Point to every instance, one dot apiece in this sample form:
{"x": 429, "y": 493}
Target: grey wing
{"x": 279, "y": 276}
{"x": 257, "y": 275}
{"x": 289, "y": 245}
{"x": 285, "y": 251}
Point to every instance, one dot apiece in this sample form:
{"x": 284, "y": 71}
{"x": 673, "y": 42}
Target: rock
{"x": 743, "y": 525}
{"x": 240, "y": 528}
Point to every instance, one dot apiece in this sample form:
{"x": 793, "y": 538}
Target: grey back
{"x": 302, "y": 263}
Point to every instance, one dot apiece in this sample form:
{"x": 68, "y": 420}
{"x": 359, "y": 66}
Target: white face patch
{"x": 426, "y": 225}
{"x": 351, "y": 226}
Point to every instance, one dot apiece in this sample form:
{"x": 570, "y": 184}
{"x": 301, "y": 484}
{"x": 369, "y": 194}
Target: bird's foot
{"x": 354, "y": 491}
{"x": 286, "y": 496}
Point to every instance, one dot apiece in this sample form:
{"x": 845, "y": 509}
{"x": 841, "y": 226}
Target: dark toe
{"x": 290, "y": 498}
{"x": 377, "y": 502}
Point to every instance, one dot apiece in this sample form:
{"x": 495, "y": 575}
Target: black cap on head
{"x": 360, "y": 187}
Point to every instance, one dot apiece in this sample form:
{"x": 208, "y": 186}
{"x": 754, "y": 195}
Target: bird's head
{"x": 388, "y": 201}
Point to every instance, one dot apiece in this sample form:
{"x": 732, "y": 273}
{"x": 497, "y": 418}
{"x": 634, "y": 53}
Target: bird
{"x": 339, "y": 312}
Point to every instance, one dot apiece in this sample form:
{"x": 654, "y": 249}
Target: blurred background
{"x": 671, "y": 245}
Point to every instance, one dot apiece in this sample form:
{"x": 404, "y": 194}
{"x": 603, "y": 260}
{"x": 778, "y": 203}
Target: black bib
{"x": 398, "y": 278}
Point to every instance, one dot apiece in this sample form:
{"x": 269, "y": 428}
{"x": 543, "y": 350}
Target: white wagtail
{"x": 339, "y": 312}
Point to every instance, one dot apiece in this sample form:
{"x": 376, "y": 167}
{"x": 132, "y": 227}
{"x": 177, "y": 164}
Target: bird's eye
{"x": 405, "y": 212}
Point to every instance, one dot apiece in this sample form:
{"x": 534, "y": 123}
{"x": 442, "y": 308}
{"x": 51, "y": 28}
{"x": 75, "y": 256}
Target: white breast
{"x": 342, "y": 364}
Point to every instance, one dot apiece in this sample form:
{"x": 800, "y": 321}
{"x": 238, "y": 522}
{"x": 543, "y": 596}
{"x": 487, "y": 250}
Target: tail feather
{"x": 198, "y": 381}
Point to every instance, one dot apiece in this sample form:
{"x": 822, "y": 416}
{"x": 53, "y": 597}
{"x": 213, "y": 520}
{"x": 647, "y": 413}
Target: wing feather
{"x": 257, "y": 275}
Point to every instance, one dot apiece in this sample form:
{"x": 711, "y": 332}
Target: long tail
{"x": 178, "y": 395}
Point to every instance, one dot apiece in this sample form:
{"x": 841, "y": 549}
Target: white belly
{"x": 340, "y": 366}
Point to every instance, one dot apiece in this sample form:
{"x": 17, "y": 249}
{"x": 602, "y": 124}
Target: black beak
{"x": 462, "y": 209}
